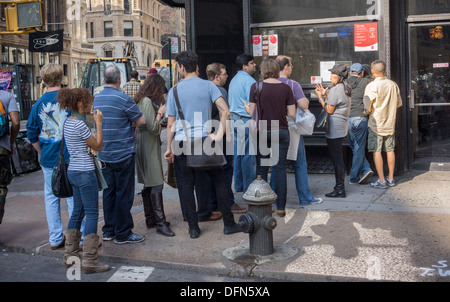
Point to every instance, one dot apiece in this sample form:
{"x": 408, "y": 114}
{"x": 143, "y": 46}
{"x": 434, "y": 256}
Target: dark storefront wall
{"x": 316, "y": 35}
{"x": 218, "y": 33}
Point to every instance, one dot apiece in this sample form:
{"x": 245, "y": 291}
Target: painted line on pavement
{"x": 131, "y": 274}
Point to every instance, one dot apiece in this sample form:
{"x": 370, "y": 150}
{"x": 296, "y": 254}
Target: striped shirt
{"x": 119, "y": 111}
{"x": 76, "y": 133}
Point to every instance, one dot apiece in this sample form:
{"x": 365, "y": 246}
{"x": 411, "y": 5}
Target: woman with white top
{"x": 81, "y": 173}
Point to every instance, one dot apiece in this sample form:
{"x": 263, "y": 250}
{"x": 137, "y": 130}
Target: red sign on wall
{"x": 366, "y": 36}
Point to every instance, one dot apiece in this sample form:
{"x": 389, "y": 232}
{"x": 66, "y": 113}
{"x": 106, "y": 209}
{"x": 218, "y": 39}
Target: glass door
{"x": 429, "y": 49}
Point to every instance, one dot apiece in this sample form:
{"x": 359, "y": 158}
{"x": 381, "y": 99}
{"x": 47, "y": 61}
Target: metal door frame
{"x": 411, "y": 23}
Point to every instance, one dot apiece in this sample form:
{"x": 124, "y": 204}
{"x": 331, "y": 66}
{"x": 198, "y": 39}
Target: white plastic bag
{"x": 304, "y": 122}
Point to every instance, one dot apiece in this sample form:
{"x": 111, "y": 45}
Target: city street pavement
{"x": 399, "y": 234}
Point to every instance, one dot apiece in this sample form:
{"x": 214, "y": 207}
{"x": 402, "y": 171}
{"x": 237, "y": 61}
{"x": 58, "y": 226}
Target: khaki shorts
{"x": 378, "y": 143}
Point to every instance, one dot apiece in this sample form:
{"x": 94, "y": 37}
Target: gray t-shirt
{"x": 338, "y": 120}
{"x": 10, "y": 104}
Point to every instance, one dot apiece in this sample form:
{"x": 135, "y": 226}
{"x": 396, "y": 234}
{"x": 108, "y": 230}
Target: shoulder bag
{"x": 61, "y": 186}
{"x": 101, "y": 182}
{"x": 196, "y": 158}
{"x": 254, "y": 124}
{"x": 322, "y": 122}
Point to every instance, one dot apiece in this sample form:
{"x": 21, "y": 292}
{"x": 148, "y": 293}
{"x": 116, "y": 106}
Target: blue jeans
{"x": 278, "y": 180}
{"x": 118, "y": 198}
{"x": 244, "y": 166}
{"x": 300, "y": 166}
{"x": 357, "y": 139}
{"x": 85, "y": 201}
{"x": 53, "y": 209}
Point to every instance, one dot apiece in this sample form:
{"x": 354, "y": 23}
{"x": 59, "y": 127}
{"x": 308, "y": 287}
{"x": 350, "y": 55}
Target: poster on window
{"x": 273, "y": 45}
{"x": 5, "y": 77}
{"x": 257, "y": 46}
{"x": 366, "y": 37}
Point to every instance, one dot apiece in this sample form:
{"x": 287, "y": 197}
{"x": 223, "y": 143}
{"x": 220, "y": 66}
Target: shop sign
{"x": 366, "y": 37}
{"x": 440, "y": 65}
{"x": 46, "y": 41}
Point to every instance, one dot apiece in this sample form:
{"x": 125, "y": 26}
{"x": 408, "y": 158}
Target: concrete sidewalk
{"x": 399, "y": 234}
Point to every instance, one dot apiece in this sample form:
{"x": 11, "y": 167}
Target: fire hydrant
{"x": 258, "y": 221}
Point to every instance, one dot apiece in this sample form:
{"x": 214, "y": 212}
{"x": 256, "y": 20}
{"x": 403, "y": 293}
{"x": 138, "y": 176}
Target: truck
{"x": 163, "y": 68}
{"x": 92, "y": 78}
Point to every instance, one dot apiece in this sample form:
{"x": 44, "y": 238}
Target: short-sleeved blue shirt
{"x": 119, "y": 111}
{"x": 239, "y": 89}
{"x": 196, "y": 98}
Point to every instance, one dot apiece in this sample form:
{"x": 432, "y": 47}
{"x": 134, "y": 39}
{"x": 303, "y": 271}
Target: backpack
{"x": 4, "y": 123}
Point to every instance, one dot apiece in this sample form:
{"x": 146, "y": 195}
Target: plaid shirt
{"x": 131, "y": 88}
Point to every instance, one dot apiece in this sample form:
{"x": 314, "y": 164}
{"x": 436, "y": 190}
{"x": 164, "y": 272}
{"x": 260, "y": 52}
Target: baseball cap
{"x": 356, "y": 68}
{"x": 153, "y": 70}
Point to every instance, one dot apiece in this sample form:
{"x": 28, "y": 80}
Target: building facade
{"x": 110, "y": 24}
{"x": 411, "y": 36}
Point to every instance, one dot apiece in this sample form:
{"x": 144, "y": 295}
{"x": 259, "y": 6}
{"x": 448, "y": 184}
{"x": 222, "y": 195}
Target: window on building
{"x": 108, "y": 53}
{"x": 142, "y": 30}
{"x": 316, "y": 48}
{"x": 127, "y": 6}
{"x": 92, "y": 29}
{"x": 128, "y": 28}
{"x": 107, "y": 6}
{"x": 108, "y": 26}
{"x": 287, "y": 10}
{"x": 424, "y": 7}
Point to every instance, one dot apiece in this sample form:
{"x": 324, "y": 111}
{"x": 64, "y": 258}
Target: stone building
{"x": 111, "y": 23}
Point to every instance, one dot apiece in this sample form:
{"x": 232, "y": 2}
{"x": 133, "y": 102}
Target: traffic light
{"x": 23, "y": 14}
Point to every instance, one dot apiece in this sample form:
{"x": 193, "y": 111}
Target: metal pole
{"x": 170, "y": 62}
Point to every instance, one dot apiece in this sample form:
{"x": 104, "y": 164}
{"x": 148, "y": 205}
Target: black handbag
{"x": 322, "y": 122}
{"x": 61, "y": 186}
{"x": 196, "y": 158}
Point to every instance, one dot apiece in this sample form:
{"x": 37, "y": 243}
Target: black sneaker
{"x": 134, "y": 238}
{"x": 236, "y": 228}
{"x": 108, "y": 237}
{"x": 366, "y": 177}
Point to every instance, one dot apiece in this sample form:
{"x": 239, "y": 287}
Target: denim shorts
{"x": 378, "y": 143}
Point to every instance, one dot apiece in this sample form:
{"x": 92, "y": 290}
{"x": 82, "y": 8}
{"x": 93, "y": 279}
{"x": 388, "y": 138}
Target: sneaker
{"x": 390, "y": 182}
{"x": 237, "y": 209}
{"x": 380, "y": 185}
{"x": 134, "y": 238}
{"x": 365, "y": 178}
{"x": 313, "y": 202}
{"x": 108, "y": 237}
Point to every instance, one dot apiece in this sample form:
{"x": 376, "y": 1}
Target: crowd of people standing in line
{"x": 127, "y": 141}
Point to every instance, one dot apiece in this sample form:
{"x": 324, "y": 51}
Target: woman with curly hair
{"x": 149, "y": 169}
{"x": 81, "y": 173}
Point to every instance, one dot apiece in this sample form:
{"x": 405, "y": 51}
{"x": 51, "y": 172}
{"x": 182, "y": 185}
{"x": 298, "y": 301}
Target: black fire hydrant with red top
{"x": 258, "y": 221}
